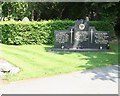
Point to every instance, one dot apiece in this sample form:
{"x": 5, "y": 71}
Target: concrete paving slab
{"x": 97, "y": 81}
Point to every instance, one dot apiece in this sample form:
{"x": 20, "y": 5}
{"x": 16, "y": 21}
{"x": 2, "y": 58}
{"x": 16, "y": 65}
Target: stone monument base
{"x": 78, "y": 50}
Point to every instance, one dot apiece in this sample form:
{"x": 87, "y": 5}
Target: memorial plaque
{"x": 81, "y": 37}
{"x": 101, "y": 38}
{"x": 62, "y": 39}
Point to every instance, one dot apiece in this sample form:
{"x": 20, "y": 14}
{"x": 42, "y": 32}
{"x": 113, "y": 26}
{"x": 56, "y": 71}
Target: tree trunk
{"x": 32, "y": 15}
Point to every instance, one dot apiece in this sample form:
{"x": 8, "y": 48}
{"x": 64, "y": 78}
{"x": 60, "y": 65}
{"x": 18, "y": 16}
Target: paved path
{"x": 96, "y": 81}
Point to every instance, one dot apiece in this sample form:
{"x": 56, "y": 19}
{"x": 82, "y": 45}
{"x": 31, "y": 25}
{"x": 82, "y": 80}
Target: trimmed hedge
{"x": 19, "y": 33}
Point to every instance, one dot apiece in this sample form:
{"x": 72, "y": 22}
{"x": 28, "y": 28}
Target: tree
{"x": 16, "y": 10}
{"x": 61, "y": 10}
{"x": 0, "y": 10}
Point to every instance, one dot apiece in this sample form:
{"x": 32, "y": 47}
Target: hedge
{"x": 19, "y": 33}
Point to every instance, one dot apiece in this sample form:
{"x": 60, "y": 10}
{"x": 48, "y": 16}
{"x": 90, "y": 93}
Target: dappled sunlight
{"x": 111, "y": 53}
{"x": 109, "y": 73}
{"x": 36, "y": 59}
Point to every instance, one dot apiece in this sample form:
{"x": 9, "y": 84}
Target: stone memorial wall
{"x": 79, "y": 37}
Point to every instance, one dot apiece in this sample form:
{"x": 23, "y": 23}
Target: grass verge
{"x": 36, "y": 62}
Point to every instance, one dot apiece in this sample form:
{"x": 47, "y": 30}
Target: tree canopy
{"x": 60, "y": 10}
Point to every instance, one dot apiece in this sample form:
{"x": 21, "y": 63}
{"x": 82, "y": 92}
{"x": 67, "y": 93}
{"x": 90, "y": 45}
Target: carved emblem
{"x": 82, "y": 26}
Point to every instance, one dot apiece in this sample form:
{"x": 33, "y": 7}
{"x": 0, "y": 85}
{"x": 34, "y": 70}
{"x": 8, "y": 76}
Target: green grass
{"x": 36, "y": 62}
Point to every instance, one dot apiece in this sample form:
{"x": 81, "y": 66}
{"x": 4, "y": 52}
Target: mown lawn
{"x": 36, "y": 62}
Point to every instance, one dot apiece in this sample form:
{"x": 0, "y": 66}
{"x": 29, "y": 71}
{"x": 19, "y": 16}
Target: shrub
{"x": 104, "y": 26}
{"x": 117, "y": 27}
{"x": 42, "y": 32}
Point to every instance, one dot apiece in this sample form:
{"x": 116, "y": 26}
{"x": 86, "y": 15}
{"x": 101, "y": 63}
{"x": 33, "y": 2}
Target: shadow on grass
{"x": 100, "y": 58}
{"x": 47, "y": 48}
{"x": 60, "y": 53}
{"x": 97, "y": 60}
